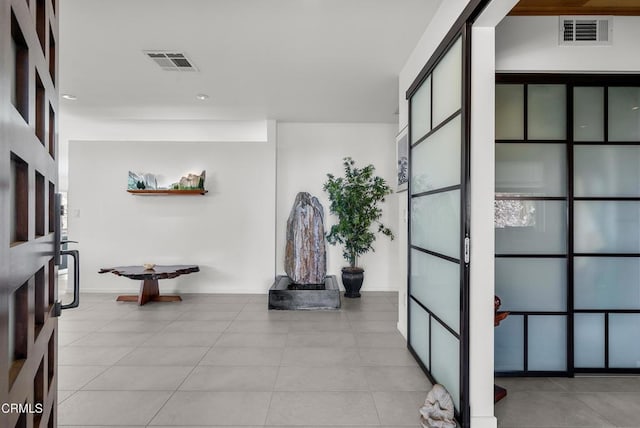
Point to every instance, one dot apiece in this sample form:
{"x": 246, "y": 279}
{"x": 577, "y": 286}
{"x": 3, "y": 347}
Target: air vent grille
{"x": 585, "y": 30}
{"x": 171, "y": 61}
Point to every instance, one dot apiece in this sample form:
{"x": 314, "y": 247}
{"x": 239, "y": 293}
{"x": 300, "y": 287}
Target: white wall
{"x": 530, "y": 44}
{"x": 306, "y": 153}
{"x": 84, "y": 129}
{"x": 228, "y": 232}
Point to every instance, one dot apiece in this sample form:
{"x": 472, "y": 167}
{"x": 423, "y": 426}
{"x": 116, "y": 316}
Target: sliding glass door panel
{"x": 588, "y": 113}
{"x": 435, "y": 223}
{"x": 447, "y": 84}
{"x": 509, "y": 112}
{"x": 421, "y": 111}
{"x": 438, "y": 159}
{"x": 436, "y": 282}
{"x": 588, "y": 336}
{"x": 606, "y": 171}
{"x": 531, "y": 227}
{"x": 438, "y": 222}
{"x": 624, "y": 114}
{"x": 607, "y": 227}
{"x": 547, "y": 343}
{"x": 419, "y": 332}
{"x": 531, "y": 169}
{"x": 547, "y": 118}
{"x": 445, "y": 360}
{"x": 529, "y": 284}
{"x": 509, "y": 344}
{"x": 567, "y": 219}
{"x": 607, "y": 283}
{"x": 624, "y": 340}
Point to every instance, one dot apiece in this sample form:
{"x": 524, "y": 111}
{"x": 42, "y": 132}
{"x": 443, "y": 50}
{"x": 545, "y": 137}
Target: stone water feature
{"x": 306, "y": 285}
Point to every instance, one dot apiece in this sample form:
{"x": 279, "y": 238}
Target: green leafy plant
{"x": 355, "y": 201}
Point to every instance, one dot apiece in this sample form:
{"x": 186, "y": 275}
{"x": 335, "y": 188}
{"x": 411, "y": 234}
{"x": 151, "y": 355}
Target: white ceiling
{"x": 289, "y": 60}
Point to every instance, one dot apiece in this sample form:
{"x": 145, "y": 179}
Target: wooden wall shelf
{"x": 166, "y": 192}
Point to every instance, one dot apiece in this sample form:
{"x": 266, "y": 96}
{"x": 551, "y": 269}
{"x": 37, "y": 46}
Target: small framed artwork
{"x": 402, "y": 157}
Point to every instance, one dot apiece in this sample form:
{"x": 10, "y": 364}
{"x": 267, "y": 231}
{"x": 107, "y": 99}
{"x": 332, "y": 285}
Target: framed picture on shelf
{"x": 402, "y": 159}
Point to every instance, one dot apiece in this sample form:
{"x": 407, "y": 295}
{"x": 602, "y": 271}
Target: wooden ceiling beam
{"x": 576, "y": 7}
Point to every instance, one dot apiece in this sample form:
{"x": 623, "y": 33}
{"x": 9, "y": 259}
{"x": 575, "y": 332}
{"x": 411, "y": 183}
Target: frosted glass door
{"x": 530, "y": 221}
{"x": 567, "y": 223}
{"x": 606, "y": 232}
{"x": 437, "y": 231}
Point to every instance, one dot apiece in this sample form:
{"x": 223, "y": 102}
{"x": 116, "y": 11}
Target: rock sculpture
{"x": 438, "y": 409}
{"x": 305, "y": 253}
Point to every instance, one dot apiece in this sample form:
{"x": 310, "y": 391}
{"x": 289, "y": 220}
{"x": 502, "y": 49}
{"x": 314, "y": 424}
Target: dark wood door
{"x": 28, "y": 182}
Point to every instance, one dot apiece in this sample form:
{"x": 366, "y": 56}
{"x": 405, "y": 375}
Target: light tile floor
{"x": 586, "y": 401}
{"x": 225, "y": 360}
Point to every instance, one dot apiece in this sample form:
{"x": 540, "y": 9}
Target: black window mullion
{"x": 525, "y": 100}
{"x": 436, "y": 191}
{"x": 525, "y": 354}
{"x": 570, "y": 201}
{"x": 430, "y": 339}
{"x": 605, "y": 111}
{"x": 606, "y": 340}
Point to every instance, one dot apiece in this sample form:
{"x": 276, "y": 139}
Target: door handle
{"x": 76, "y": 278}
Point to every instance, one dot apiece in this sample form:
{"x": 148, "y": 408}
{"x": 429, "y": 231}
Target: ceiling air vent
{"x": 585, "y": 30}
{"x": 171, "y": 61}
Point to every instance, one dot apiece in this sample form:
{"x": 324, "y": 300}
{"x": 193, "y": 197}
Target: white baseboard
{"x": 484, "y": 422}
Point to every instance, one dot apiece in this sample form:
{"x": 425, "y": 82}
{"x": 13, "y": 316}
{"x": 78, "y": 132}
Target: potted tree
{"x": 355, "y": 201}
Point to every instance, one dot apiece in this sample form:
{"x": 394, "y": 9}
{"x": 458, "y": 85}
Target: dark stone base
{"x": 283, "y": 295}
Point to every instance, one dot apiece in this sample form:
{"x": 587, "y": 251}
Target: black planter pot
{"x": 352, "y": 280}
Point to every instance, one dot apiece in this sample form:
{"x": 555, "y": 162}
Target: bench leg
{"x": 149, "y": 292}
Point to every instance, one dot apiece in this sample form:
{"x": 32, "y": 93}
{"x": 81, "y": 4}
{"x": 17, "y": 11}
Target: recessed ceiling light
{"x": 69, "y": 97}
{"x": 202, "y": 97}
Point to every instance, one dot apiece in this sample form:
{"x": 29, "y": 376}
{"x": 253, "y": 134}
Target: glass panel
{"x": 588, "y": 330}
{"x": 607, "y": 171}
{"x": 509, "y": 112}
{"x": 435, "y": 223}
{"x": 588, "y": 114}
{"x": 547, "y": 107}
{"x": 445, "y": 360}
{"x": 534, "y": 227}
{"x": 531, "y": 169}
{"x": 435, "y": 162}
{"x": 421, "y": 111}
{"x": 509, "y": 344}
{"x": 419, "y": 335}
{"x": 447, "y": 84}
{"x": 607, "y": 227}
{"x": 436, "y": 284}
{"x": 547, "y": 342}
{"x": 531, "y": 284}
{"x": 624, "y": 341}
{"x": 624, "y": 114}
{"x": 607, "y": 283}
